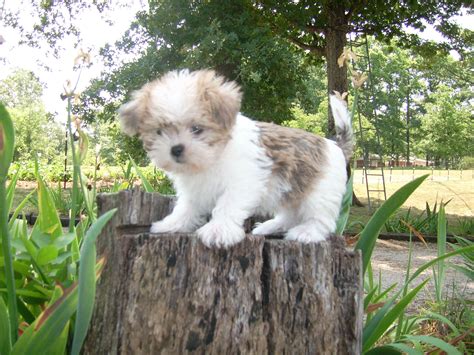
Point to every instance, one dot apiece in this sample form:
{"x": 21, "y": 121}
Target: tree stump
{"x": 171, "y": 294}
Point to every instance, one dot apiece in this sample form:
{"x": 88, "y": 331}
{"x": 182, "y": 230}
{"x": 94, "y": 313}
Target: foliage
{"x": 36, "y": 132}
{"x": 387, "y": 328}
{"x": 426, "y": 222}
{"x": 200, "y": 35}
{"x": 306, "y": 24}
{"x": 34, "y": 260}
{"x": 447, "y": 127}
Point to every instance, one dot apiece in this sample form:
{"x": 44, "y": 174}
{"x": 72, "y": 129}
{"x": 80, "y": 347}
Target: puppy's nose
{"x": 177, "y": 150}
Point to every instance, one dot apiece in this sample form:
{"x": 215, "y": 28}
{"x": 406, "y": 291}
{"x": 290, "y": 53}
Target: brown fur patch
{"x": 137, "y": 111}
{"x": 221, "y": 97}
{"x": 298, "y": 157}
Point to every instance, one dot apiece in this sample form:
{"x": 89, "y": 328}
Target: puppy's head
{"x": 184, "y": 119}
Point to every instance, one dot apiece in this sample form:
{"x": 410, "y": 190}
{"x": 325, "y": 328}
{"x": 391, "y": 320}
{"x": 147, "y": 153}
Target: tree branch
{"x": 318, "y": 50}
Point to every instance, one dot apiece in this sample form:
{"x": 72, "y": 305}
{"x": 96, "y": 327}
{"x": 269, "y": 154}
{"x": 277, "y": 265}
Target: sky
{"x": 95, "y": 33}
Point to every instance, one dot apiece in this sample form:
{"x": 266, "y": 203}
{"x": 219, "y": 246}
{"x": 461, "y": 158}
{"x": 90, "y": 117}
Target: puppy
{"x": 227, "y": 167}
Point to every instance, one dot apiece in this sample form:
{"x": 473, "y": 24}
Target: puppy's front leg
{"x": 184, "y": 218}
{"x": 226, "y": 225}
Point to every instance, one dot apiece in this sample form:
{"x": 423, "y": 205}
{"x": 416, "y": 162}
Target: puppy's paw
{"x": 221, "y": 234}
{"x": 168, "y": 226}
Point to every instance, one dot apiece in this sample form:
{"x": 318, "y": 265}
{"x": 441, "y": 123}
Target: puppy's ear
{"x": 132, "y": 113}
{"x": 223, "y": 97}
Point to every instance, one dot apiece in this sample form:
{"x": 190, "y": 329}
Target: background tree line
{"x": 284, "y": 55}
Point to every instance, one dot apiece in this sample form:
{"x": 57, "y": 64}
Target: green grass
{"x": 459, "y": 211}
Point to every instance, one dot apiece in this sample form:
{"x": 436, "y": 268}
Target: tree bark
{"x": 336, "y": 40}
{"x": 170, "y": 294}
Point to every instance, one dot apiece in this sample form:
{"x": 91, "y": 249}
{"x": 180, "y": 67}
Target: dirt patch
{"x": 390, "y": 259}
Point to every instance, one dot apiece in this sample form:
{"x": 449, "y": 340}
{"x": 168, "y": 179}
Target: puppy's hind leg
{"x": 319, "y": 212}
{"x": 277, "y": 225}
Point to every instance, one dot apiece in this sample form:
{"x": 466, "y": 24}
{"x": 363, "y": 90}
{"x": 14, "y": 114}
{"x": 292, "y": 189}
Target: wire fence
{"x": 409, "y": 174}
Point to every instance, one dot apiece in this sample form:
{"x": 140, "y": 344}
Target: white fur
{"x": 240, "y": 184}
{"x": 242, "y": 173}
{"x": 233, "y": 182}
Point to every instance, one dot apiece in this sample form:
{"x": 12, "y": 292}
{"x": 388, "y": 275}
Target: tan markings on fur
{"x": 298, "y": 157}
{"x": 137, "y": 111}
{"x": 219, "y": 103}
{"x": 222, "y": 99}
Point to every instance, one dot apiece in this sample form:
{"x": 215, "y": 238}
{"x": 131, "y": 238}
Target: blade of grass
{"x": 20, "y": 208}
{"x": 441, "y": 243}
{"x": 440, "y": 344}
{"x": 369, "y": 235}
{"x": 405, "y": 289}
{"x": 346, "y": 207}
{"x": 380, "y": 323}
{"x": 145, "y": 182}
{"x": 11, "y": 190}
{"x": 5, "y": 339}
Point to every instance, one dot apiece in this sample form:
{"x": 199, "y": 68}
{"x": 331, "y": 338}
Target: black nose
{"x": 177, "y": 150}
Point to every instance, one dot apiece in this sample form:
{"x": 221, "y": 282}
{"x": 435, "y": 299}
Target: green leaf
{"x": 25, "y": 293}
{"x": 425, "y": 266}
{"x": 83, "y": 145}
{"x": 87, "y": 281}
{"x": 7, "y": 142}
{"x": 64, "y": 240}
{"x": 440, "y": 344}
{"x": 370, "y": 233}
{"x": 48, "y": 217}
{"x": 384, "y": 318}
{"x": 20, "y": 208}
{"x": 5, "y": 341}
{"x": 346, "y": 207}
{"x": 437, "y": 316}
{"x": 383, "y": 350}
{"x": 47, "y": 254}
{"x": 468, "y": 272}
{"x": 145, "y": 182}
{"x": 45, "y": 332}
{"x": 441, "y": 243}
{"x": 11, "y": 190}
{"x": 389, "y": 348}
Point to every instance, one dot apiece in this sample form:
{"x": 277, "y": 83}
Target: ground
{"x": 390, "y": 257}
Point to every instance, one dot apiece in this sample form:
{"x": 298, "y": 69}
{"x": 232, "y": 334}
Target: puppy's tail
{"x": 342, "y": 120}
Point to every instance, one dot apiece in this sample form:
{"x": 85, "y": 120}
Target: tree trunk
{"x": 335, "y": 42}
{"x": 408, "y": 128}
{"x": 170, "y": 294}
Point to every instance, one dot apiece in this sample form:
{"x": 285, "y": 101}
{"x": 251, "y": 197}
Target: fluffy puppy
{"x": 227, "y": 167}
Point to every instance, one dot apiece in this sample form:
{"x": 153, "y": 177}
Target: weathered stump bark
{"x": 170, "y": 294}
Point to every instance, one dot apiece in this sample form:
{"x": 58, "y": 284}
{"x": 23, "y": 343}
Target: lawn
{"x": 459, "y": 190}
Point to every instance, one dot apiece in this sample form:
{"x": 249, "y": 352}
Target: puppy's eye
{"x": 197, "y": 130}
{"x": 158, "y": 132}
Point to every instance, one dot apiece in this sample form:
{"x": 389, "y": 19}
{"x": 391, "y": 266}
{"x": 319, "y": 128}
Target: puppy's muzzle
{"x": 177, "y": 151}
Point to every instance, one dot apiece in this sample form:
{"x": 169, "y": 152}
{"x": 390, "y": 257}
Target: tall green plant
{"x": 388, "y": 318}
{"x": 7, "y": 143}
{"x": 370, "y": 233}
{"x": 45, "y": 255}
